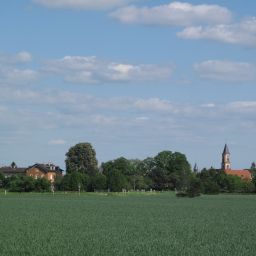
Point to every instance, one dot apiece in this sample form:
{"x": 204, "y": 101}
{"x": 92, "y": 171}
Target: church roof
{"x": 243, "y": 174}
{"x": 226, "y": 150}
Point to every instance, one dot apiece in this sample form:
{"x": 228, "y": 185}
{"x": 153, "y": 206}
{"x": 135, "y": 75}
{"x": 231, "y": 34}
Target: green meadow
{"x": 127, "y": 224}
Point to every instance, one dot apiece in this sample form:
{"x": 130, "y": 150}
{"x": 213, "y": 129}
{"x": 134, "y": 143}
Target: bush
{"x": 116, "y": 181}
{"x": 194, "y": 188}
{"x": 72, "y": 181}
{"x": 42, "y": 185}
{"x": 22, "y": 184}
{"x": 211, "y": 187}
{"x": 98, "y": 182}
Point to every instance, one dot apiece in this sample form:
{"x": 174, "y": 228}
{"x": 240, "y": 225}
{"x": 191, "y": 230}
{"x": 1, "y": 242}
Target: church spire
{"x": 226, "y": 150}
{"x": 226, "y": 164}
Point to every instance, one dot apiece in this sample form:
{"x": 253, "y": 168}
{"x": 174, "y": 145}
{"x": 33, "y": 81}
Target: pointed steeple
{"x": 226, "y": 164}
{"x": 226, "y": 150}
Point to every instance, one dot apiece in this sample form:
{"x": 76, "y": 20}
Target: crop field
{"x": 146, "y": 224}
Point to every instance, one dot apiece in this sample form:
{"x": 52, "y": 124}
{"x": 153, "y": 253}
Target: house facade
{"x": 47, "y": 171}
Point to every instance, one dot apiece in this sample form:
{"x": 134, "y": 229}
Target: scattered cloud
{"x": 115, "y": 120}
{"x": 242, "y": 106}
{"x": 20, "y": 57}
{"x": 202, "y": 21}
{"x": 83, "y": 4}
{"x": 79, "y": 69}
{"x": 226, "y": 70}
{"x": 11, "y": 74}
{"x": 174, "y": 14}
{"x": 243, "y": 33}
{"x": 23, "y": 57}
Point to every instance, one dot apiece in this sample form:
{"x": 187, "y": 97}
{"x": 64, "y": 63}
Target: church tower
{"x": 226, "y": 164}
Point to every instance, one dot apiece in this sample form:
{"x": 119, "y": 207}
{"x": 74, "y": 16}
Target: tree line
{"x": 166, "y": 171}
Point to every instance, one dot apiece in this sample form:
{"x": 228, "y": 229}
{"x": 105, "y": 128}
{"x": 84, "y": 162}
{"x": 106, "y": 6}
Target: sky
{"x": 132, "y": 77}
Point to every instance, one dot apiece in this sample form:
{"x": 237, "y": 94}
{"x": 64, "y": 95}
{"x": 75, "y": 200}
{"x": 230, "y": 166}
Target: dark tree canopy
{"x": 82, "y": 158}
{"x": 166, "y": 171}
{"x": 170, "y": 170}
{"x": 74, "y": 181}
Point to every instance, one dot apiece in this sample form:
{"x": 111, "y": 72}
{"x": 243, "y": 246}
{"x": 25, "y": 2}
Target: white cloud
{"x": 174, "y": 14}
{"x": 57, "y": 142}
{"x": 23, "y": 57}
{"x": 83, "y": 4}
{"x": 243, "y": 33}
{"x": 79, "y": 69}
{"x": 12, "y": 75}
{"x": 20, "y": 57}
{"x": 61, "y": 109}
{"x": 226, "y": 70}
{"x": 242, "y": 106}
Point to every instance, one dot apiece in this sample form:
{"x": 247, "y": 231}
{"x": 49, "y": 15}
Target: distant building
{"x": 226, "y": 166}
{"x": 47, "y": 171}
{"x": 12, "y": 170}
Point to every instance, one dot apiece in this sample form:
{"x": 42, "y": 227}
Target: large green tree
{"x": 169, "y": 171}
{"x": 116, "y": 172}
{"x": 82, "y": 158}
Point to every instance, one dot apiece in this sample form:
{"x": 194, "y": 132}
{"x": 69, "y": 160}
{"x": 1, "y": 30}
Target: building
{"x": 226, "y": 166}
{"x": 12, "y": 170}
{"x": 47, "y": 171}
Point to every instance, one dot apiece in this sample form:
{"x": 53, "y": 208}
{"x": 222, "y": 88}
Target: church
{"x": 226, "y": 166}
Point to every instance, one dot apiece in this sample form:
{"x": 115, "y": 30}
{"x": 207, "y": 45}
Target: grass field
{"x": 94, "y": 224}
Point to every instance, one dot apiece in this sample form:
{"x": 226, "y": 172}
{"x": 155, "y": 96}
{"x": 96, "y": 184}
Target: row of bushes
{"x": 214, "y": 181}
{"x": 25, "y": 184}
{"x": 207, "y": 182}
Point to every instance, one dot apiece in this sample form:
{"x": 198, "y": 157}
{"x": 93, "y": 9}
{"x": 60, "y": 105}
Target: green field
{"x": 159, "y": 224}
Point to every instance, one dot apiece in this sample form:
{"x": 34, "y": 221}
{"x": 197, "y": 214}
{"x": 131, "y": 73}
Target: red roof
{"x": 243, "y": 174}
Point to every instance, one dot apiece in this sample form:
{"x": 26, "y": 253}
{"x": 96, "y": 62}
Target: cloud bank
{"x": 173, "y": 14}
{"x": 243, "y": 33}
{"x": 11, "y": 73}
{"x": 90, "y": 70}
{"x": 226, "y": 70}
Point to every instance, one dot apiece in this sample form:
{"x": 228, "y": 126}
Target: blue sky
{"x": 132, "y": 77}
